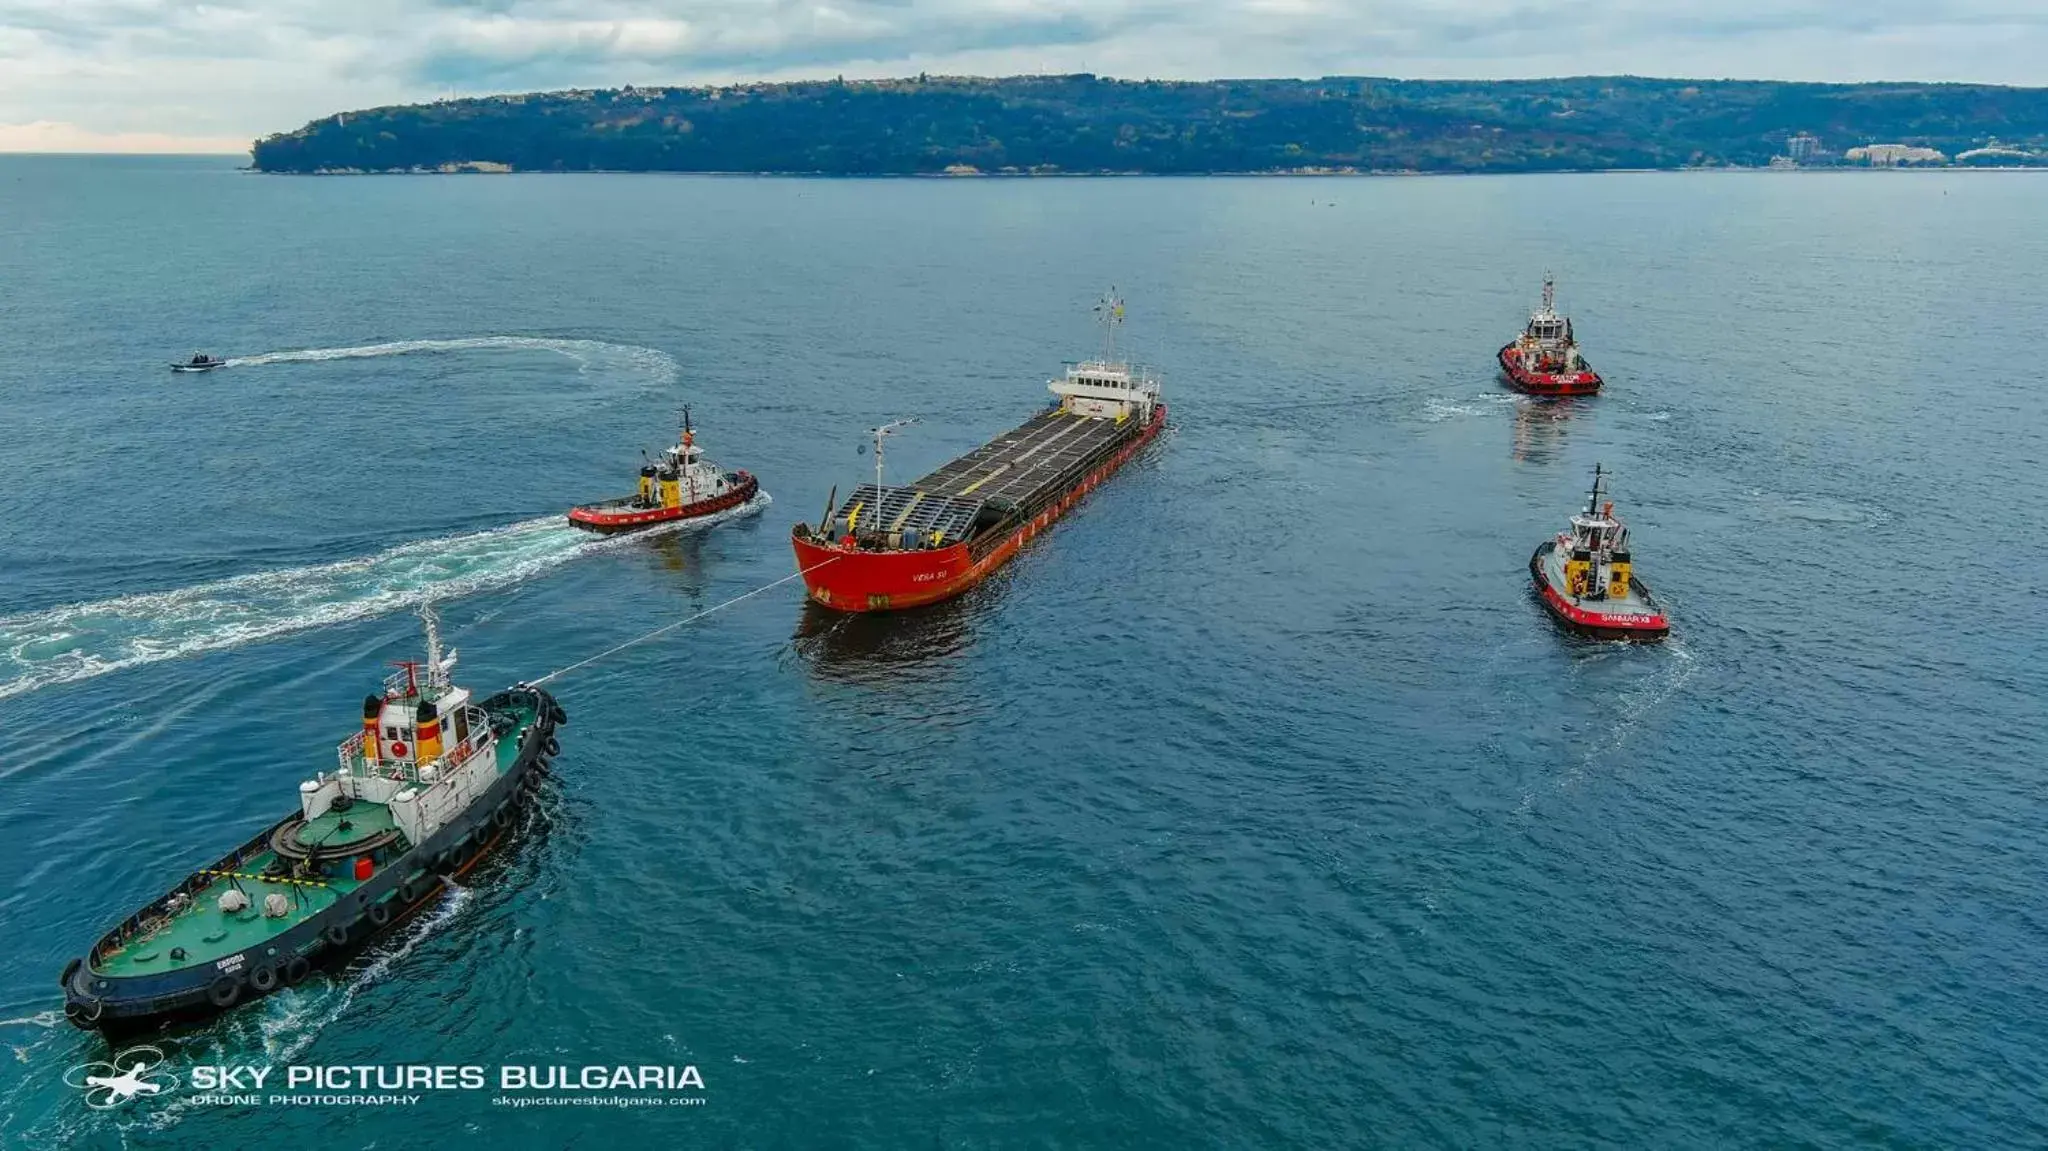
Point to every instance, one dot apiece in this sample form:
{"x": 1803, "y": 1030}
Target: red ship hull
{"x": 1640, "y": 626}
{"x": 621, "y": 516}
{"x": 848, "y": 578}
{"x": 1524, "y": 379}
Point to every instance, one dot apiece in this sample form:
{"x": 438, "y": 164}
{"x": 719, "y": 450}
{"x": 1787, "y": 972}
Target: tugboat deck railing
{"x": 353, "y": 762}
{"x": 412, "y": 683}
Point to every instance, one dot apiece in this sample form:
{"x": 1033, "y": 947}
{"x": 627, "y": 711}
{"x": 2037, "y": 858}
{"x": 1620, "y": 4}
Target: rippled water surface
{"x": 1256, "y": 805}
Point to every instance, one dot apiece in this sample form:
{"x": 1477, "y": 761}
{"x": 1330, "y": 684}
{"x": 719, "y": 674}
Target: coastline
{"x": 1333, "y": 174}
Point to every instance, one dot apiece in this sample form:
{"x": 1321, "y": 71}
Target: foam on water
{"x": 1437, "y": 409}
{"x": 80, "y": 641}
{"x": 587, "y": 353}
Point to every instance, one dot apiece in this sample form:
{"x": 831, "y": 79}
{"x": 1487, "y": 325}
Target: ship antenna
{"x": 1549, "y": 293}
{"x": 1593, "y": 501}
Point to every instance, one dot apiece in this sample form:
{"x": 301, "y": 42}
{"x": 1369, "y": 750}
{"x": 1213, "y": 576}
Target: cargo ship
{"x": 431, "y": 782}
{"x": 890, "y": 547}
{"x": 681, "y": 486}
{"x": 1586, "y": 578}
{"x": 1544, "y": 360}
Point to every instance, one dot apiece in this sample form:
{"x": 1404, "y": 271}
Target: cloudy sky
{"x": 209, "y": 75}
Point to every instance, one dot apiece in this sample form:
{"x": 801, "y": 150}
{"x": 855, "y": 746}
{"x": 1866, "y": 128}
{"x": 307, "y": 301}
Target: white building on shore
{"x": 1893, "y": 155}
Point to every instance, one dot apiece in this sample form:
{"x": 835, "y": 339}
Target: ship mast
{"x": 1111, "y": 309}
{"x": 689, "y": 468}
{"x": 1593, "y": 500}
{"x": 435, "y": 672}
{"x": 880, "y": 434}
{"x": 1549, "y": 294}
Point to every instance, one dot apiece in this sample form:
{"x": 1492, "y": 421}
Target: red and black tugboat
{"x": 1544, "y": 360}
{"x": 890, "y": 547}
{"x": 682, "y": 486}
{"x": 1586, "y": 578}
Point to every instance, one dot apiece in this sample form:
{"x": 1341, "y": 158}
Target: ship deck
{"x": 1013, "y": 470}
{"x": 1016, "y": 465}
{"x": 1634, "y": 603}
{"x": 207, "y": 933}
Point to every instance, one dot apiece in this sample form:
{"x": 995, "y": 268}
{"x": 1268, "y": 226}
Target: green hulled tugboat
{"x": 429, "y": 785}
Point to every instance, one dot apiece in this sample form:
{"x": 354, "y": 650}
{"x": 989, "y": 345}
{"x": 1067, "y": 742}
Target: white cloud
{"x": 131, "y": 73}
{"x": 51, "y": 136}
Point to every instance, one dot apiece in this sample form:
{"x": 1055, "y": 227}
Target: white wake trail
{"x": 80, "y": 641}
{"x": 587, "y": 353}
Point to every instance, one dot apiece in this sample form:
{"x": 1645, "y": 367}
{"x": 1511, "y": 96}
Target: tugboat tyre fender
{"x": 263, "y": 980}
{"x": 409, "y": 892}
{"x": 83, "y": 1013}
{"x": 554, "y": 746}
{"x": 70, "y": 969}
{"x": 379, "y": 915}
{"x": 561, "y": 717}
{"x": 502, "y": 818}
{"x": 297, "y": 969}
{"x": 224, "y": 991}
{"x": 336, "y": 935}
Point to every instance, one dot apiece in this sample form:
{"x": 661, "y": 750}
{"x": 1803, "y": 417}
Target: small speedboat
{"x": 200, "y": 362}
{"x": 683, "y": 486}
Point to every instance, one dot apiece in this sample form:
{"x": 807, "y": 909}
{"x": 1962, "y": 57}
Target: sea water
{"x": 1258, "y": 804}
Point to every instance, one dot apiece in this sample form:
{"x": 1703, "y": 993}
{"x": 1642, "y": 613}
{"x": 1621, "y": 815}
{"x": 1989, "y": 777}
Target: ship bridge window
{"x": 390, "y": 733}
